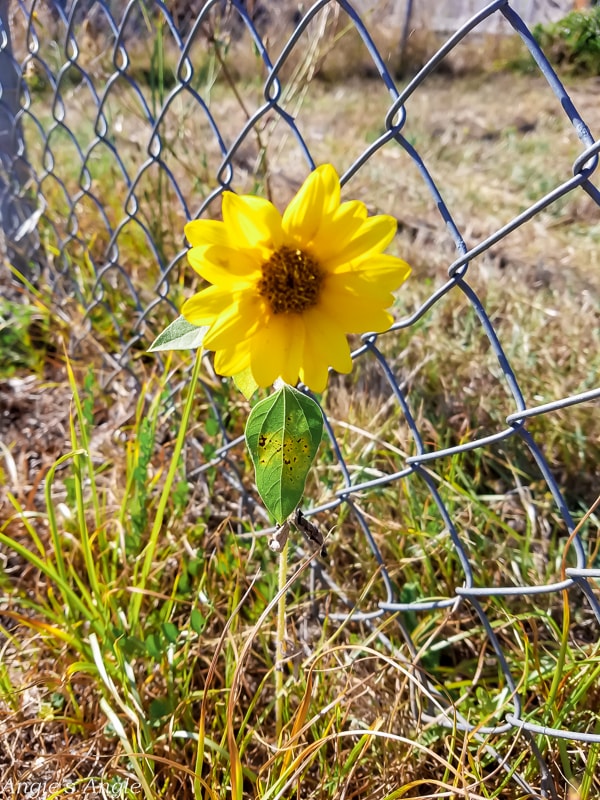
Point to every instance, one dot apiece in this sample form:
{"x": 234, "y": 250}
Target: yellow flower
{"x": 286, "y": 289}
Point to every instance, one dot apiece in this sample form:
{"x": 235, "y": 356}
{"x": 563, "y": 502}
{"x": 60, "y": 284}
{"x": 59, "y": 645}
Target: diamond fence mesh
{"x": 120, "y": 122}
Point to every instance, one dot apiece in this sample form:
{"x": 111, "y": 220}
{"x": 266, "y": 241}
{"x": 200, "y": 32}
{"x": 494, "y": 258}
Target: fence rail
{"x": 105, "y": 125}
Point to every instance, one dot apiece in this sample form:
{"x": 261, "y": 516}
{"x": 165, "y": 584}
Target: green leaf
{"x": 245, "y": 383}
{"x": 211, "y": 426}
{"x": 170, "y": 631}
{"x": 180, "y": 335}
{"x": 184, "y": 584}
{"x": 283, "y": 434}
{"x": 195, "y": 565}
{"x": 154, "y": 646}
{"x": 159, "y": 708}
{"x": 197, "y": 621}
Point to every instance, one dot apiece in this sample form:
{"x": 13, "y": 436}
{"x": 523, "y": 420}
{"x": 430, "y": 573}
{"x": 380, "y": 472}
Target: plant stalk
{"x": 280, "y": 641}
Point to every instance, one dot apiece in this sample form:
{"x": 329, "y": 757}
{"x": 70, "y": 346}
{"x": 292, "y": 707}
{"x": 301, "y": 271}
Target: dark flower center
{"x": 291, "y": 281}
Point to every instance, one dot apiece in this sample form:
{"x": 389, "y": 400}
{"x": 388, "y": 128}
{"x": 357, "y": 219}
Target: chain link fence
{"x": 116, "y": 130}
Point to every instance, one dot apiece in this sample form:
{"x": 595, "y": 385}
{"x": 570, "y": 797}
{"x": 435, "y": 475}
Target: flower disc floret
{"x": 291, "y": 281}
{"x": 287, "y": 289}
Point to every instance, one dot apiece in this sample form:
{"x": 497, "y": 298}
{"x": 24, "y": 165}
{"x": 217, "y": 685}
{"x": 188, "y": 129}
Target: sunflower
{"x": 287, "y": 289}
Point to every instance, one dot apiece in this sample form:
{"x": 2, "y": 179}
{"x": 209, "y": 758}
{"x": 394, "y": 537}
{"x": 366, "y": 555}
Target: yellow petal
{"x": 374, "y": 276}
{"x": 203, "y": 307}
{"x": 335, "y": 233}
{"x": 237, "y": 322}
{"x": 294, "y": 347}
{"x": 355, "y": 314}
{"x": 252, "y": 222}
{"x": 325, "y": 345}
{"x": 351, "y": 209}
{"x": 372, "y": 237}
{"x": 314, "y": 373}
{"x": 206, "y": 231}
{"x": 331, "y": 188}
{"x": 277, "y": 350}
{"x": 376, "y": 267}
{"x": 317, "y": 199}
{"x": 352, "y": 285}
{"x": 224, "y": 265}
{"x": 232, "y": 360}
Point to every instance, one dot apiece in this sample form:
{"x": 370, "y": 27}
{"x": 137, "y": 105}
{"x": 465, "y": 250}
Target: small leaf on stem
{"x": 179, "y": 335}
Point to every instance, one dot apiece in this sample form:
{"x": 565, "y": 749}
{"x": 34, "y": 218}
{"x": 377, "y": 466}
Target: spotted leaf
{"x": 283, "y": 434}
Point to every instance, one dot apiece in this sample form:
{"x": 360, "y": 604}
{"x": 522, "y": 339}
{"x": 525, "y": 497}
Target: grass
{"x": 139, "y": 608}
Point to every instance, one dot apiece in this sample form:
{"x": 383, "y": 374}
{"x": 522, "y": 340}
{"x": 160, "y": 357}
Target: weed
{"x": 573, "y": 42}
{"x": 24, "y": 337}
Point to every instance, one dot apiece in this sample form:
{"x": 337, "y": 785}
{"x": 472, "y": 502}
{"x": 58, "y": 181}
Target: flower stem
{"x": 280, "y": 642}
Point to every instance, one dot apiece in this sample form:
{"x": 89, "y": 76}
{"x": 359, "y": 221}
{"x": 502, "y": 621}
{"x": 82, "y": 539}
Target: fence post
{"x": 18, "y": 239}
{"x": 408, "y": 10}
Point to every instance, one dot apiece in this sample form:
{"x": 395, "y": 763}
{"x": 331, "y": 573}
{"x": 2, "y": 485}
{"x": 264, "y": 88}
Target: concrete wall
{"x": 448, "y": 15}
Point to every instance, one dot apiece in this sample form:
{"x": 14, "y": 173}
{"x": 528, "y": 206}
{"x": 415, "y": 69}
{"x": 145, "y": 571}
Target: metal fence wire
{"x": 108, "y": 127}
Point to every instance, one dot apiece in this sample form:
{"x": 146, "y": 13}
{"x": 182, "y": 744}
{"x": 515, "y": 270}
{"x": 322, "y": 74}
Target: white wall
{"x": 445, "y": 16}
